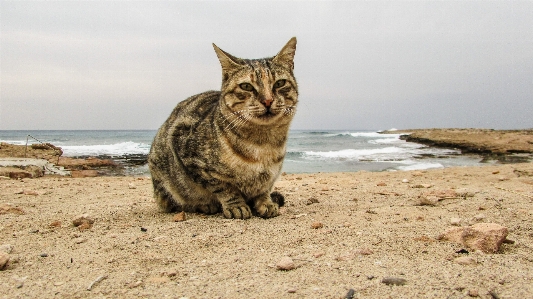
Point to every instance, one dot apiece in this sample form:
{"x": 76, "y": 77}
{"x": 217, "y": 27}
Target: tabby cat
{"x": 223, "y": 150}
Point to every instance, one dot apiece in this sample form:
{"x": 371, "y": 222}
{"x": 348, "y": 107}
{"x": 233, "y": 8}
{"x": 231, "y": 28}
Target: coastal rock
{"x": 286, "y": 263}
{"x": 486, "y": 237}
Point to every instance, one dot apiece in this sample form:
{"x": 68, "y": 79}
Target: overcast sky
{"x": 359, "y": 65}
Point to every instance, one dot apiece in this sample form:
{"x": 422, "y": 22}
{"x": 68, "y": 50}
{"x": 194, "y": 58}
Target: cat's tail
{"x": 278, "y": 198}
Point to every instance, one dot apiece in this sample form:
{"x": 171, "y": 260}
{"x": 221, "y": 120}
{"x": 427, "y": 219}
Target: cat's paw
{"x": 238, "y": 212}
{"x": 208, "y": 209}
{"x": 267, "y": 209}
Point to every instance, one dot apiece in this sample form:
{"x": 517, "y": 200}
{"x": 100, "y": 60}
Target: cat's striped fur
{"x": 223, "y": 150}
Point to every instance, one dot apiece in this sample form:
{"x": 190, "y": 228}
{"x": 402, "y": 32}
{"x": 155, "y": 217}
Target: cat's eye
{"x": 246, "y": 86}
{"x": 279, "y": 83}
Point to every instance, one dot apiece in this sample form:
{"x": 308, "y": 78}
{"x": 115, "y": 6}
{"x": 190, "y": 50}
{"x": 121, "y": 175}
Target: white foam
{"x": 355, "y": 154}
{"x": 116, "y": 149}
{"x": 421, "y": 166}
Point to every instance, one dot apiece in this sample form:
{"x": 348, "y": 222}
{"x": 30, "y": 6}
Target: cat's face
{"x": 259, "y": 91}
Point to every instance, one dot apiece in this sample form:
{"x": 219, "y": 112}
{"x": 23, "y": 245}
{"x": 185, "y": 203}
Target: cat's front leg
{"x": 265, "y": 207}
{"x": 234, "y": 206}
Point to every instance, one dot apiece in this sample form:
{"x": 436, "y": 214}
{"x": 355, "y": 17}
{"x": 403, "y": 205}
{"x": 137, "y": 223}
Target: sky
{"x": 360, "y": 65}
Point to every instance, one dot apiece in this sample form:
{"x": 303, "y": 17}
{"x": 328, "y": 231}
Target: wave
{"x": 117, "y": 149}
{"x": 358, "y": 154}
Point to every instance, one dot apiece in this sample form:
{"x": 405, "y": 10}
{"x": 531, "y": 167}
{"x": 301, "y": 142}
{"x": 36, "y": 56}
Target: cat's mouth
{"x": 267, "y": 115}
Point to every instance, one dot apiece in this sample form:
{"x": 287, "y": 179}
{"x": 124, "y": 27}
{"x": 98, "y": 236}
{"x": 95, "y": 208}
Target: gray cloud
{"x": 360, "y": 65}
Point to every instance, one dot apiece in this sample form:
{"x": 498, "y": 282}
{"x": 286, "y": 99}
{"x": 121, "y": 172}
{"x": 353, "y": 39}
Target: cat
{"x": 222, "y": 151}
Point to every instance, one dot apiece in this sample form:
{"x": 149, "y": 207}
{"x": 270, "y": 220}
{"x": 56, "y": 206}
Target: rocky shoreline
{"x": 503, "y": 146}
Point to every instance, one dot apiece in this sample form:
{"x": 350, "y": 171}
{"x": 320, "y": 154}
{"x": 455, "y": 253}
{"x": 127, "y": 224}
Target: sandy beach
{"x": 379, "y": 234}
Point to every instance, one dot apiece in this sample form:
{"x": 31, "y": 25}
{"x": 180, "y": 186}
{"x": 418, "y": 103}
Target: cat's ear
{"x": 227, "y": 61}
{"x": 286, "y": 55}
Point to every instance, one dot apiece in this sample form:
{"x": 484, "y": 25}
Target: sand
{"x": 368, "y": 227}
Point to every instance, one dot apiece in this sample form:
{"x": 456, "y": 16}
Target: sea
{"x": 308, "y": 151}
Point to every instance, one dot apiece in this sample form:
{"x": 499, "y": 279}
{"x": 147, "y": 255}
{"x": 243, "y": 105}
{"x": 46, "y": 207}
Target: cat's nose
{"x": 267, "y": 102}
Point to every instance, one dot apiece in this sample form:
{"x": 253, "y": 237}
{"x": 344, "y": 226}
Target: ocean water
{"x": 307, "y": 151}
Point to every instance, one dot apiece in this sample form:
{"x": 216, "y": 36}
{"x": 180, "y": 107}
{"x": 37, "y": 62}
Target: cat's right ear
{"x": 227, "y": 61}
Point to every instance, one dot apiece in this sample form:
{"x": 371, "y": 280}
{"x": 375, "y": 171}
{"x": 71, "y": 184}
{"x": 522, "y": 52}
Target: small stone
{"x": 312, "y": 200}
{"x": 81, "y": 219}
{"x": 4, "y": 259}
{"x": 496, "y": 172}
{"x": 80, "y": 240}
{"x": 172, "y": 273}
{"x": 144, "y": 229}
{"x": 381, "y": 184}
{"x": 429, "y": 200}
{"x": 479, "y": 217}
{"x": 30, "y": 192}
{"x": 85, "y": 225}
{"x": 405, "y": 181}
{"x": 132, "y": 186}
{"x": 180, "y": 217}
{"x": 394, "y": 281}
{"x": 291, "y": 290}
{"x": 286, "y": 263}
{"x": 317, "y": 225}
{"x": 318, "y": 254}
{"x": 465, "y": 260}
{"x": 44, "y": 254}
{"x": 135, "y": 284}
{"x": 364, "y": 251}
{"x": 473, "y": 293}
{"x": 55, "y": 223}
{"x": 486, "y": 237}
{"x": 455, "y": 221}
{"x": 7, "y": 248}
{"x": 347, "y": 224}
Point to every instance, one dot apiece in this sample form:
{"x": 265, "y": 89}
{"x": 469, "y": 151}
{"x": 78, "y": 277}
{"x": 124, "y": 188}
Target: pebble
{"x": 394, "y": 281}
{"x": 82, "y": 219}
{"x": 180, "y": 217}
{"x": 465, "y": 260}
{"x": 486, "y": 237}
{"x": 455, "y": 221}
{"x": 56, "y": 223}
{"x": 132, "y": 186}
{"x": 312, "y": 200}
{"x": 44, "y": 254}
{"x": 7, "y": 248}
{"x": 350, "y": 294}
{"x": 381, "y": 184}
{"x": 405, "y": 181}
{"x": 319, "y": 254}
{"x": 473, "y": 293}
{"x": 479, "y": 217}
{"x": 80, "y": 240}
{"x": 428, "y": 200}
{"x": 292, "y": 290}
{"x": 4, "y": 259}
{"x": 317, "y": 225}
{"x": 286, "y": 263}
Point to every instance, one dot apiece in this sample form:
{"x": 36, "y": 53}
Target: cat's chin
{"x": 266, "y": 118}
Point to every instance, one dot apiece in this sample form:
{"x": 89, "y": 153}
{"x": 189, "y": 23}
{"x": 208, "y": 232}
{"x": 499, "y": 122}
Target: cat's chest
{"x": 254, "y": 165}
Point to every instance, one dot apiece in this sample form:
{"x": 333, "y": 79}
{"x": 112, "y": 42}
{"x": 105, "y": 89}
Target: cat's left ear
{"x": 286, "y": 55}
{"x": 227, "y": 61}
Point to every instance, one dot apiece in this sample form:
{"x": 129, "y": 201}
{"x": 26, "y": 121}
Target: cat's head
{"x": 259, "y": 91}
